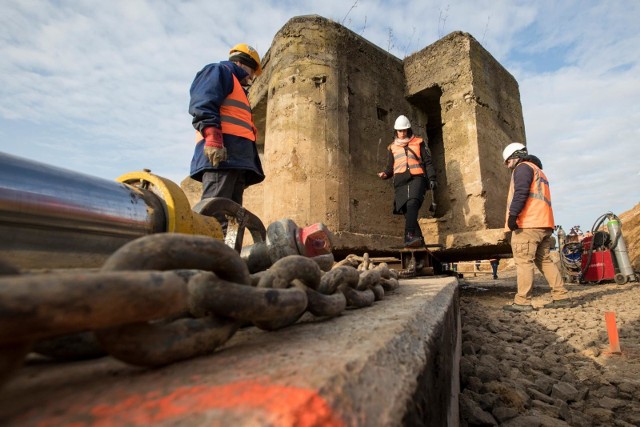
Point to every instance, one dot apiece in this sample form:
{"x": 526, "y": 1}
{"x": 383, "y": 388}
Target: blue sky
{"x": 102, "y": 87}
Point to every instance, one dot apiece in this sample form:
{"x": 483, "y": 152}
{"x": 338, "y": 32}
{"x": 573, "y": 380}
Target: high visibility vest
{"x": 407, "y": 157}
{"x": 235, "y": 114}
{"x": 537, "y": 211}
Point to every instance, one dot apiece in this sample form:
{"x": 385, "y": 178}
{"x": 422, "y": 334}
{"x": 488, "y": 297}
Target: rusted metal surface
{"x": 210, "y": 294}
{"x": 284, "y": 238}
{"x": 154, "y": 343}
{"x": 45, "y": 305}
{"x": 341, "y": 274}
{"x": 158, "y": 344}
{"x": 80, "y": 346}
{"x": 418, "y": 262}
{"x": 11, "y": 358}
{"x": 171, "y": 251}
{"x": 291, "y": 267}
{"x": 359, "y": 368}
{"x": 238, "y": 220}
{"x": 167, "y": 297}
{"x": 324, "y": 305}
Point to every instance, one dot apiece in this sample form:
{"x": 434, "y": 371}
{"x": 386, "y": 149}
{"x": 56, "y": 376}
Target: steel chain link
{"x": 167, "y": 297}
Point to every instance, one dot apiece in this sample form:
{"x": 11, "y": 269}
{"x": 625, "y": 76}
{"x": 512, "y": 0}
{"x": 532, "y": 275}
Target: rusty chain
{"x": 167, "y": 297}
{"x": 364, "y": 262}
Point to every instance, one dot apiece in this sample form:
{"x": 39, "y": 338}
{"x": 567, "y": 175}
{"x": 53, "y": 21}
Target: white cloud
{"x": 583, "y": 119}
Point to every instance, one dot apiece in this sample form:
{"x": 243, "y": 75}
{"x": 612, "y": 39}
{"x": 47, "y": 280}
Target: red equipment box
{"x": 600, "y": 267}
{"x": 586, "y": 243}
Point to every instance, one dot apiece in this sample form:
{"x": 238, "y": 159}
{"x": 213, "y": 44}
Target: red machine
{"x": 597, "y": 265}
{"x": 604, "y": 253}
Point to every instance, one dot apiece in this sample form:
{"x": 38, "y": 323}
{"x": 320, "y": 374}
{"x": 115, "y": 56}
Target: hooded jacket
{"x": 209, "y": 90}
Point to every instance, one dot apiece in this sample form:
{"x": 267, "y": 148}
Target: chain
{"x": 410, "y": 271}
{"x": 407, "y": 273}
{"x": 167, "y": 297}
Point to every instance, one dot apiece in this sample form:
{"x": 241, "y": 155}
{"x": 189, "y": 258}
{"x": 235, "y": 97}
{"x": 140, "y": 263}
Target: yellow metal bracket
{"x": 179, "y": 216}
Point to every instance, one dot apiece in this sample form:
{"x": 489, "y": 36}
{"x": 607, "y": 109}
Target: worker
{"x": 409, "y": 163}
{"x": 495, "y": 262}
{"x": 529, "y": 217}
{"x": 225, "y": 159}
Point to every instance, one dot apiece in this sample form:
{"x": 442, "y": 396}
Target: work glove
{"x": 512, "y": 222}
{"x": 213, "y": 146}
{"x": 433, "y": 185}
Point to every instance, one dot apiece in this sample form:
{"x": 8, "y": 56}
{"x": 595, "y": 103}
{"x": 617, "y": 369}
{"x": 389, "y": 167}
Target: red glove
{"x": 213, "y": 145}
{"x": 212, "y": 137}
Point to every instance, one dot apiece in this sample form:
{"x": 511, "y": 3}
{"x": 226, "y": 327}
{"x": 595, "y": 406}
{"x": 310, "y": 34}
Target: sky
{"x": 102, "y": 87}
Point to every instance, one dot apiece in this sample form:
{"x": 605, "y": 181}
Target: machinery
{"x": 605, "y": 255}
{"x": 570, "y": 249}
{"x": 600, "y": 256}
{"x": 55, "y": 218}
{"x": 159, "y": 282}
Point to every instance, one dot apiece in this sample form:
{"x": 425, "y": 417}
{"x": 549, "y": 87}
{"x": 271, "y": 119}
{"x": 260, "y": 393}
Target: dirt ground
{"x": 551, "y": 366}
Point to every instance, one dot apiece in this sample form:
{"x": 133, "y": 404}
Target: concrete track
{"x": 395, "y": 363}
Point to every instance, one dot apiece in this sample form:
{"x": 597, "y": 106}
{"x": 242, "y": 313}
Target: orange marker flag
{"x": 612, "y": 331}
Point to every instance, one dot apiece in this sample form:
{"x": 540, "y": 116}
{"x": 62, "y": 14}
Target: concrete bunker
{"x": 325, "y": 106}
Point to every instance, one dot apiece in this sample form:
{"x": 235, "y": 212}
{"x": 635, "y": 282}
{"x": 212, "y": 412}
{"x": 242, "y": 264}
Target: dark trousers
{"x": 224, "y": 183}
{"x": 411, "y": 217}
{"x": 229, "y": 184}
{"x": 494, "y": 268}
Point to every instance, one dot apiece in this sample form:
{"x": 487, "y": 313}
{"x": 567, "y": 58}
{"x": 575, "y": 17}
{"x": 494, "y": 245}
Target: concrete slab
{"x": 393, "y": 363}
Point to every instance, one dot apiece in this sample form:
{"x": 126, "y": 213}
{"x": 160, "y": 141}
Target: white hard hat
{"x": 402, "y": 123}
{"x": 512, "y": 148}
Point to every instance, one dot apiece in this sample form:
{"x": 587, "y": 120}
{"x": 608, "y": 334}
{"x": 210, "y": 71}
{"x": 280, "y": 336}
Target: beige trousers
{"x": 530, "y": 248}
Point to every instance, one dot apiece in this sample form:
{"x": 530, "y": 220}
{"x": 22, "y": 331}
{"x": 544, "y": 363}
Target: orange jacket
{"x": 407, "y": 157}
{"x": 235, "y": 114}
{"x": 537, "y": 211}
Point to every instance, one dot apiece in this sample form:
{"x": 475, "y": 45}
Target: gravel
{"x": 549, "y": 367}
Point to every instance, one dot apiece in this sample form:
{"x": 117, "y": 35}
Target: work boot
{"x": 412, "y": 240}
{"x": 559, "y": 303}
{"x": 518, "y": 308}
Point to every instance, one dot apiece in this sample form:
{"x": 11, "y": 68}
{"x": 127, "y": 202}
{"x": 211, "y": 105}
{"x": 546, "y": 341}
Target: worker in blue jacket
{"x": 225, "y": 159}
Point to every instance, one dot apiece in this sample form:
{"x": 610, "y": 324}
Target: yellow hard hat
{"x": 252, "y": 59}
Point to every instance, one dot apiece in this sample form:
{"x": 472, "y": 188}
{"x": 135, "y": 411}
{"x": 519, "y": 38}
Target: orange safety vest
{"x": 407, "y": 157}
{"x": 235, "y": 114}
{"x": 537, "y": 212}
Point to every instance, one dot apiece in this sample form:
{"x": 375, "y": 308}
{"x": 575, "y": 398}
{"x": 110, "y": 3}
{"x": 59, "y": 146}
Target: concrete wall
{"x": 331, "y": 100}
{"x": 480, "y": 113}
{"x": 325, "y": 106}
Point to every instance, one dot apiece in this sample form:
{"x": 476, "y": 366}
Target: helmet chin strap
{"x": 513, "y": 162}
{"x": 248, "y": 80}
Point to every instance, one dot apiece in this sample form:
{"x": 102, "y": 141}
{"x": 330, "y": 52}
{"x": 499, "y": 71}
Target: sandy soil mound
{"x": 631, "y": 232}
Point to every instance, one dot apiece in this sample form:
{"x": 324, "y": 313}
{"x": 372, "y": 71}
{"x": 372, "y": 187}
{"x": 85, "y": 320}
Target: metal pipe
{"x": 55, "y": 218}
